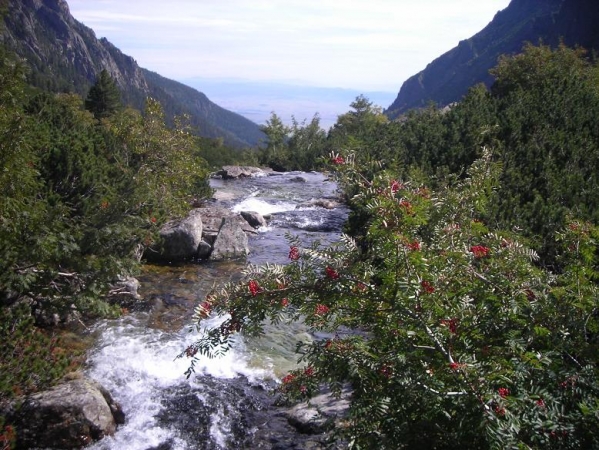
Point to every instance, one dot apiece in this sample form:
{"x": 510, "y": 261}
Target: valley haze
{"x": 291, "y": 57}
{"x": 257, "y": 100}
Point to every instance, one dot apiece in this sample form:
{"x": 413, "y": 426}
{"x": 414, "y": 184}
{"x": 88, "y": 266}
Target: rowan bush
{"x": 447, "y": 330}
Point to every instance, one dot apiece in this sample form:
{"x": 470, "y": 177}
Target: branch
{"x": 450, "y": 393}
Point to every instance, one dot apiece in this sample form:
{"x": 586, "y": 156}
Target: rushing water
{"x": 226, "y": 403}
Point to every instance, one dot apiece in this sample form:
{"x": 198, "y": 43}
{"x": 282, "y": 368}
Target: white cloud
{"x": 345, "y": 43}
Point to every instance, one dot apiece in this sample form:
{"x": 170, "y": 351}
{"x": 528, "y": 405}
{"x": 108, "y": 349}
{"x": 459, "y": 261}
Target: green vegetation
{"x": 461, "y": 305}
{"x": 103, "y": 99}
{"x": 80, "y": 198}
{"x": 62, "y": 55}
{"x": 451, "y": 330}
{"x": 298, "y": 147}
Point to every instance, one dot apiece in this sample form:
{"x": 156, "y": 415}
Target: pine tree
{"x": 103, "y": 98}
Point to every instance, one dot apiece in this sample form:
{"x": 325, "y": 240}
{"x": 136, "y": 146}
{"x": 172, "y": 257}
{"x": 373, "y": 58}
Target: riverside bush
{"x": 449, "y": 333}
{"x": 80, "y": 199}
{"x": 30, "y": 359}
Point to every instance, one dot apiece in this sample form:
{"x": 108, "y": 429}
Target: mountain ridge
{"x": 447, "y": 78}
{"x": 64, "y": 55}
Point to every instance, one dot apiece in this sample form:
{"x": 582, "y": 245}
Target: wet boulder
{"x": 124, "y": 292}
{"x": 212, "y": 220}
{"x": 180, "y": 239}
{"x": 205, "y": 249}
{"x": 319, "y": 203}
{"x": 320, "y": 414}
{"x": 231, "y": 241}
{"x": 232, "y": 172}
{"x": 253, "y": 218}
{"x": 210, "y": 232}
{"x": 68, "y": 416}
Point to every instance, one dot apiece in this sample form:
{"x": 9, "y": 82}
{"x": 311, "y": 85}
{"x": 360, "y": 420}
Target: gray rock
{"x": 319, "y": 414}
{"x": 70, "y": 415}
{"x": 180, "y": 239}
{"x": 231, "y": 241}
{"x": 125, "y": 293}
{"x": 320, "y": 203}
{"x": 204, "y": 250}
{"x": 212, "y": 220}
{"x": 47, "y": 315}
{"x": 255, "y": 219}
{"x": 127, "y": 287}
{"x": 230, "y": 172}
{"x": 209, "y": 237}
{"x": 201, "y": 232}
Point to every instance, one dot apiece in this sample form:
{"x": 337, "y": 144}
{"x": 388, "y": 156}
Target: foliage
{"x": 217, "y": 154}
{"x": 300, "y": 146}
{"x": 448, "y": 333}
{"x": 7, "y": 436}
{"x": 90, "y": 195}
{"x": 540, "y": 118}
{"x": 29, "y": 360}
{"x": 103, "y": 98}
{"x": 275, "y": 153}
{"x": 80, "y": 199}
{"x": 548, "y": 103}
{"x": 357, "y": 129}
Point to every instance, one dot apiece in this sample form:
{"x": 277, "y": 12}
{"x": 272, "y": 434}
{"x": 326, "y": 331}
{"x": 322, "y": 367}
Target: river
{"x": 227, "y": 403}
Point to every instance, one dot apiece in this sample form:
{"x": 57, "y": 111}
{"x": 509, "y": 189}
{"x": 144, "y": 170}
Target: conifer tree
{"x": 103, "y": 98}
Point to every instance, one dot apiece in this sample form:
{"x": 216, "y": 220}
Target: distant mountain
{"x": 256, "y": 100}
{"x": 449, "y": 77}
{"x": 65, "y": 56}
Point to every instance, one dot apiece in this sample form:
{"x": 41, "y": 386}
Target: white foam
{"x": 306, "y": 222}
{"x": 136, "y": 364}
{"x": 262, "y": 207}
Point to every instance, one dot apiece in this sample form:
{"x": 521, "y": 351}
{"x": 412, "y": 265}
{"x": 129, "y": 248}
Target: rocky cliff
{"x": 448, "y": 78}
{"x": 65, "y": 55}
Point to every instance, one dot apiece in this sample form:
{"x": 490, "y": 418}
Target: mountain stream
{"x": 227, "y": 403}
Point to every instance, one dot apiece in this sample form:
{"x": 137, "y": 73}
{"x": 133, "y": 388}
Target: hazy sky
{"x": 360, "y": 44}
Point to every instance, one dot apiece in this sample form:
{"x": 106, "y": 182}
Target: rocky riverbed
{"x": 133, "y": 374}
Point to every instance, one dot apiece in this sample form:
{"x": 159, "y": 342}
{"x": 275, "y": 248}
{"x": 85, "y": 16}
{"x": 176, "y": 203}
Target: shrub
{"x": 447, "y": 331}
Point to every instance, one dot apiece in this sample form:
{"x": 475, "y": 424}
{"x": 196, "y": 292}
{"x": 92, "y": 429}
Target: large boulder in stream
{"x": 212, "y": 218}
{"x": 319, "y": 203}
{"x": 210, "y": 232}
{"x": 254, "y": 219}
{"x": 231, "y": 241}
{"x": 68, "y": 416}
{"x": 180, "y": 239}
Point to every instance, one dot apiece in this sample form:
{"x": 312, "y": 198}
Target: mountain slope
{"x": 65, "y": 55}
{"x": 448, "y": 78}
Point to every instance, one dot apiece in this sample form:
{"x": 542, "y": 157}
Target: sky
{"x": 370, "y": 45}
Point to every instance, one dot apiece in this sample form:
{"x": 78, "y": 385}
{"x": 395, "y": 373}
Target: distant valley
{"x": 257, "y": 100}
